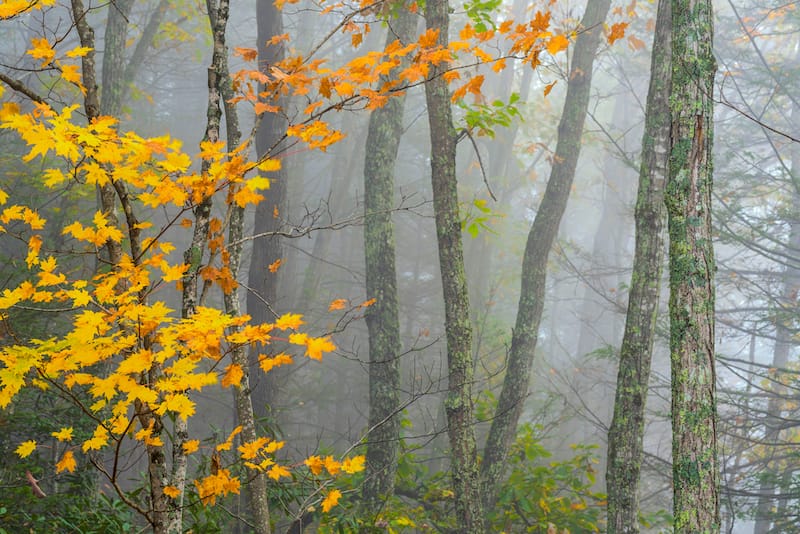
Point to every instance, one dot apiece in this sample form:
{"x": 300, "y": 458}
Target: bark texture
{"x": 540, "y": 240}
{"x": 263, "y": 294}
{"x": 695, "y": 465}
{"x": 625, "y": 436}
{"x": 383, "y": 140}
{"x": 459, "y": 403}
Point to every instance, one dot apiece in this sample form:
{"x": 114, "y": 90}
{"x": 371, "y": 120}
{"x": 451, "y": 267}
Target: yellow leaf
{"x": 26, "y": 448}
{"x": 65, "y": 434}
{"x": 331, "y": 500}
{"x": 190, "y": 446}
{"x": 250, "y": 449}
{"x": 315, "y": 464}
{"x": 278, "y": 471}
{"x": 338, "y": 304}
{"x": 353, "y": 465}
{"x": 332, "y": 466}
{"x": 233, "y": 375}
{"x": 269, "y": 165}
{"x": 97, "y": 441}
{"x": 42, "y": 50}
{"x": 557, "y": 43}
{"x": 66, "y": 463}
{"x": 79, "y": 51}
{"x": 229, "y": 442}
{"x": 317, "y": 345}
{"x": 248, "y": 54}
{"x": 267, "y": 363}
{"x": 172, "y": 492}
{"x": 289, "y": 321}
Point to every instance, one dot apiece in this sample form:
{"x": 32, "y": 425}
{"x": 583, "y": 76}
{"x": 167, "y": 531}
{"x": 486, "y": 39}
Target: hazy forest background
{"x": 390, "y": 418}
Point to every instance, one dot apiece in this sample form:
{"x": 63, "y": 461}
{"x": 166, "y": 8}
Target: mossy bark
{"x": 383, "y": 323}
{"x": 695, "y": 466}
{"x": 625, "y": 436}
{"x": 459, "y": 402}
{"x": 542, "y": 234}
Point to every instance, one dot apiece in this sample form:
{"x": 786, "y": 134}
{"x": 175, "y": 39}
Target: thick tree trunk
{"x": 540, "y": 240}
{"x": 625, "y": 436}
{"x": 383, "y": 140}
{"x": 459, "y": 404}
{"x": 691, "y": 262}
{"x": 262, "y": 297}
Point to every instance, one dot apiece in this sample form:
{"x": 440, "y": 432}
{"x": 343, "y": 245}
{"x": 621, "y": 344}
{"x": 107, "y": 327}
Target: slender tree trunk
{"x": 459, "y": 402}
{"x": 383, "y": 140}
{"x": 625, "y": 436}
{"x": 540, "y": 240}
{"x": 695, "y": 465}
{"x": 784, "y": 344}
{"x": 262, "y": 297}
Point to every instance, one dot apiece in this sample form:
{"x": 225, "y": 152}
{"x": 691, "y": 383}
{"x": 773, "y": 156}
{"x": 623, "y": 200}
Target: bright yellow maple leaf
{"x": 331, "y": 500}
{"x": 353, "y": 465}
{"x": 289, "y": 321}
{"x": 42, "y": 50}
{"x": 250, "y": 449}
{"x": 332, "y": 466}
{"x": 278, "y": 471}
{"x": 66, "y": 463}
{"x": 26, "y": 448}
{"x": 267, "y": 363}
{"x": 177, "y": 403}
{"x": 65, "y": 434}
{"x": 315, "y": 464}
{"x": 97, "y": 441}
{"x": 315, "y": 346}
{"x": 557, "y": 43}
{"x": 190, "y": 446}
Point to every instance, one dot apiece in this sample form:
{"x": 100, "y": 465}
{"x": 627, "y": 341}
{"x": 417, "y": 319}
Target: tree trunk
{"x": 459, "y": 404}
{"x": 695, "y": 466}
{"x": 625, "y": 436}
{"x": 383, "y": 140}
{"x": 540, "y": 240}
{"x": 262, "y": 295}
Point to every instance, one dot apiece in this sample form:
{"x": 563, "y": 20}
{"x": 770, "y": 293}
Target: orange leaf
{"x": 248, "y": 54}
{"x": 273, "y": 267}
{"x": 429, "y": 38}
{"x": 548, "y": 88}
{"x": 557, "y": 44}
{"x": 338, "y": 304}
{"x": 617, "y": 32}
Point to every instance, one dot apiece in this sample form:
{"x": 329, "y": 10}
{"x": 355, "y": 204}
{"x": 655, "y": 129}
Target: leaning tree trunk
{"x": 540, "y": 240}
{"x": 625, "y": 436}
{"x": 383, "y": 140}
{"x": 458, "y": 404}
{"x": 695, "y": 467}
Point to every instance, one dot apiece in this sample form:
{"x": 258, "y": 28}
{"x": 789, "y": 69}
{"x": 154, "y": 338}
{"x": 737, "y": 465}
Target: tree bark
{"x": 383, "y": 140}
{"x": 262, "y": 298}
{"x": 695, "y": 466}
{"x": 625, "y": 436}
{"x": 540, "y": 240}
{"x": 459, "y": 402}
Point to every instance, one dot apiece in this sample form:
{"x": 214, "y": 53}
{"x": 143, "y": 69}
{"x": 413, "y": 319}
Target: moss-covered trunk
{"x": 383, "y": 140}
{"x": 625, "y": 436}
{"x": 695, "y": 468}
{"x": 458, "y": 405}
{"x": 542, "y": 234}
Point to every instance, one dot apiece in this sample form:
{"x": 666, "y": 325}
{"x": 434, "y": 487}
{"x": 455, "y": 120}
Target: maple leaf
{"x": 42, "y": 50}
{"x": 317, "y": 345}
{"x": 332, "y": 466}
{"x": 557, "y": 43}
{"x": 248, "y": 54}
{"x": 250, "y": 449}
{"x": 278, "y": 471}
{"x": 65, "y": 434}
{"x": 66, "y": 463}
{"x": 190, "y": 446}
{"x": 616, "y": 32}
{"x": 338, "y": 304}
{"x": 267, "y": 364}
{"x": 97, "y": 441}
{"x": 26, "y": 448}
{"x": 429, "y": 38}
{"x": 172, "y": 492}
{"x": 226, "y": 446}
{"x": 331, "y": 500}
{"x": 273, "y": 267}
{"x": 233, "y": 375}
{"x": 289, "y": 321}
{"x": 549, "y": 87}
{"x": 353, "y": 465}
{"x": 315, "y": 464}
